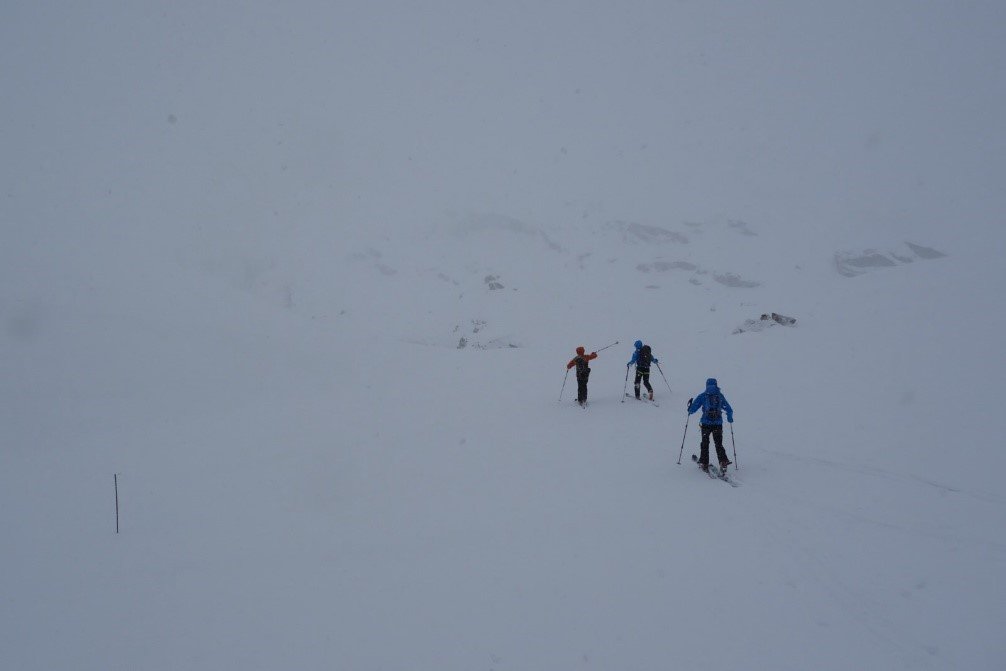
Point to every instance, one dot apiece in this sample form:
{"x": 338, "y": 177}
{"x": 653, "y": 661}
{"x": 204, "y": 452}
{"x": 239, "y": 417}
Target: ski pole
{"x": 563, "y": 386}
{"x": 665, "y": 379}
{"x": 687, "y": 417}
{"x": 734, "y": 442}
{"x": 626, "y": 385}
{"x": 606, "y": 347}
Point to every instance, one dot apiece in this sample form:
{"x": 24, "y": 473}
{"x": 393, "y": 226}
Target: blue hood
{"x": 711, "y": 385}
{"x": 638, "y": 344}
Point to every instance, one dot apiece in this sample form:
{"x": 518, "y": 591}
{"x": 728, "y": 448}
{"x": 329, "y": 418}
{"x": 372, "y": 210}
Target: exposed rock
{"x": 851, "y": 264}
{"x": 492, "y": 281}
{"x": 765, "y": 321}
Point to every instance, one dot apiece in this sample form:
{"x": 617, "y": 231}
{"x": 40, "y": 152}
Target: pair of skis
{"x": 642, "y": 399}
{"x": 716, "y": 473}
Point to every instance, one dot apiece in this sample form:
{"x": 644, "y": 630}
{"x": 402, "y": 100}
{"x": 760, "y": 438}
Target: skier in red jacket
{"x": 582, "y": 373}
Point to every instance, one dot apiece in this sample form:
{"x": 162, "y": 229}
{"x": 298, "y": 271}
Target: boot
{"x": 651, "y": 395}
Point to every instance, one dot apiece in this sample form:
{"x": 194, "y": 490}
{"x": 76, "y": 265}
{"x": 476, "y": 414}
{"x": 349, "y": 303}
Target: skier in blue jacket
{"x": 714, "y": 405}
{"x": 642, "y": 357}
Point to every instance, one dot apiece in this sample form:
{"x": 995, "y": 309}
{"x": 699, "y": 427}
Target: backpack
{"x": 582, "y": 370}
{"x": 714, "y": 403}
{"x": 644, "y": 359}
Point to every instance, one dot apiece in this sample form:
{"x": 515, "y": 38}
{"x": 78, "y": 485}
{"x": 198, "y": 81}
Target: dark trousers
{"x": 645, "y": 377}
{"x": 717, "y": 433}
{"x": 581, "y": 388}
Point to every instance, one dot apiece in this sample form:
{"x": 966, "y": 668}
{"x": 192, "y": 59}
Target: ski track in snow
{"x": 889, "y": 475}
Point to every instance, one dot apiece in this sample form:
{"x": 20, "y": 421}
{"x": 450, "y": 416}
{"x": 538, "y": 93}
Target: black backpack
{"x": 644, "y": 359}
{"x": 714, "y": 403}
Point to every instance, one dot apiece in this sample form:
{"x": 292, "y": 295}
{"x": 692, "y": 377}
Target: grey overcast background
{"x": 828, "y": 115}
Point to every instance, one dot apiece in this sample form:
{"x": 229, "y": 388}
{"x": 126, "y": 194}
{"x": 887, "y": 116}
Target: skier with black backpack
{"x": 582, "y": 373}
{"x": 714, "y": 405}
{"x": 642, "y": 357}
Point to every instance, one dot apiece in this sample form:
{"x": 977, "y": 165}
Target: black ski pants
{"x": 716, "y": 430}
{"x": 643, "y": 375}
{"x": 581, "y": 387}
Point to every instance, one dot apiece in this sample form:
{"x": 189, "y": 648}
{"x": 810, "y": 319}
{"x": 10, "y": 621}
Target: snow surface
{"x": 306, "y": 277}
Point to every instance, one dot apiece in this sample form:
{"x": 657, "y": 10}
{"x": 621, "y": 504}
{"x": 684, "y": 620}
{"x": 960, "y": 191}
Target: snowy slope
{"x": 307, "y": 282}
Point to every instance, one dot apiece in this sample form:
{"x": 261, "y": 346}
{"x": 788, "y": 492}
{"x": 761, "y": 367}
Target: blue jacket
{"x": 635, "y": 355}
{"x": 702, "y": 401}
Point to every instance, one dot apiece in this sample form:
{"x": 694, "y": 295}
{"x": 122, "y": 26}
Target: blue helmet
{"x": 638, "y": 344}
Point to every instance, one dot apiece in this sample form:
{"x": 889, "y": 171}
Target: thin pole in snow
{"x": 665, "y": 378}
{"x": 682, "y": 450}
{"x": 734, "y": 444}
{"x": 115, "y": 478}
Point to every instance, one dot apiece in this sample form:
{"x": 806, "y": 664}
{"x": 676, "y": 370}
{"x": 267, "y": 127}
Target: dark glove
{"x": 593, "y": 354}
{"x": 690, "y": 402}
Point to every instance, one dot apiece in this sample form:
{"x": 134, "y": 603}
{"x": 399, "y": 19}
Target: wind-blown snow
{"x": 306, "y": 279}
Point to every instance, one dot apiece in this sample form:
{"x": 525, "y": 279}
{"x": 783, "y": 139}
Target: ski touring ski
{"x": 715, "y": 473}
{"x": 642, "y": 399}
